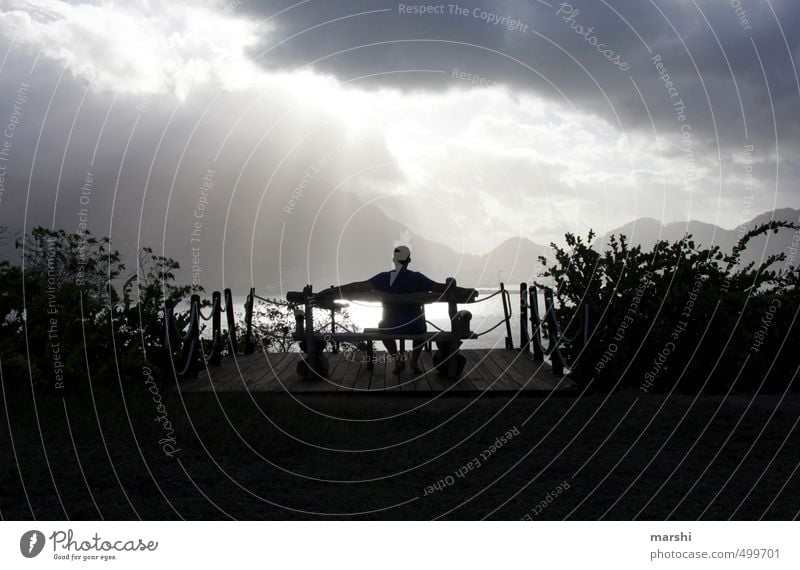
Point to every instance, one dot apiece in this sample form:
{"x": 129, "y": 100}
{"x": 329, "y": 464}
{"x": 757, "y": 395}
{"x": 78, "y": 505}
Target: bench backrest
{"x": 454, "y": 295}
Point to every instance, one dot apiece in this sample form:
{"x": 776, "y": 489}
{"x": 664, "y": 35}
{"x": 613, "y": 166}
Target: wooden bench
{"x": 313, "y": 342}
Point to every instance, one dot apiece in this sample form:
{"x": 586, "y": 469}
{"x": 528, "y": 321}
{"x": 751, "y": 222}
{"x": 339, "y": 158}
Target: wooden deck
{"x": 494, "y": 371}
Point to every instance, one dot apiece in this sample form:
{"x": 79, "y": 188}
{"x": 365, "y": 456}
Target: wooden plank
{"x": 312, "y": 383}
{"x": 378, "y": 381}
{"x": 236, "y": 375}
{"x": 456, "y": 385}
{"x": 338, "y": 368}
{"x": 461, "y": 295}
{"x": 409, "y": 379}
{"x": 271, "y": 362}
{"x": 499, "y": 369}
{"x": 499, "y": 380}
{"x": 338, "y": 373}
{"x": 465, "y": 383}
{"x": 275, "y": 377}
{"x": 528, "y": 373}
{"x": 289, "y": 379}
{"x": 231, "y": 370}
{"x": 392, "y": 380}
{"x": 363, "y": 374}
{"x": 272, "y": 379}
{"x": 417, "y": 382}
{"x": 421, "y": 381}
{"x": 474, "y": 370}
{"x": 511, "y": 362}
{"x": 354, "y": 361}
{"x": 433, "y": 378}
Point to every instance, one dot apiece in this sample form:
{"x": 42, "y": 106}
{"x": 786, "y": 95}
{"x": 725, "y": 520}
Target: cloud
{"x": 539, "y": 144}
{"x": 138, "y": 47}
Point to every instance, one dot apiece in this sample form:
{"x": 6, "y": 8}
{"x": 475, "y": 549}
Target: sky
{"x": 224, "y": 124}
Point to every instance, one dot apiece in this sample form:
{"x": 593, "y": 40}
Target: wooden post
{"x": 335, "y": 343}
{"x": 170, "y": 334}
{"x": 536, "y": 324}
{"x": 215, "y": 357}
{"x": 248, "y": 322}
{"x": 583, "y": 339}
{"x": 370, "y": 355}
{"x": 311, "y": 348}
{"x": 169, "y": 325}
{"x": 509, "y": 339}
{"x": 524, "y": 339}
{"x": 452, "y": 309}
{"x": 192, "y": 351}
{"x": 231, "y": 321}
{"x": 554, "y": 332}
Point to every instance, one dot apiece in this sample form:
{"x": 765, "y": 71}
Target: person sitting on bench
{"x": 398, "y": 318}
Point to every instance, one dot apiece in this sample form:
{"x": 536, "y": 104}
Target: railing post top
{"x": 195, "y": 298}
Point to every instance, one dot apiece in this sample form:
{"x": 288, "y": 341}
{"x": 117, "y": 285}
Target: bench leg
{"x": 452, "y": 360}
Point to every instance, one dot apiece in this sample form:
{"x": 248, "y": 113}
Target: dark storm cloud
{"x": 711, "y": 54}
{"x": 137, "y": 172}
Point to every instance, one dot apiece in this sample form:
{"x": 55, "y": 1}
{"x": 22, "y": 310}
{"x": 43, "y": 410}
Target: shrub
{"x": 679, "y": 316}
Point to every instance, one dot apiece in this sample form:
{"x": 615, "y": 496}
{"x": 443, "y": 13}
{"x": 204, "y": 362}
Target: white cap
{"x": 401, "y": 253}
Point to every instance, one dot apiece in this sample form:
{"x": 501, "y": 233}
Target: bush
{"x": 678, "y": 316}
{"x": 64, "y": 318}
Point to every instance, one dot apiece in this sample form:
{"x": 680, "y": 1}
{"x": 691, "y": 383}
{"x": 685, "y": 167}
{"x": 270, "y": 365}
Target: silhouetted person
{"x": 399, "y": 318}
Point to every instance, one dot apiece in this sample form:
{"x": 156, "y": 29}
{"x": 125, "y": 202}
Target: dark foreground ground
{"x": 631, "y": 456}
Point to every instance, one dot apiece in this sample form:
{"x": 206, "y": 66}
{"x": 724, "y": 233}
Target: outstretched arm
{"x": 355, "y": 287}
{"x": 442, "y": 288}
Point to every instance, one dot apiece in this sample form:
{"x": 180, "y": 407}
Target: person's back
{"x": 403, "y": 318}
{"x": 399, "y": 318}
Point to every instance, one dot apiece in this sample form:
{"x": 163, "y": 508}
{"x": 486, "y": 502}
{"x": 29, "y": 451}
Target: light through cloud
{"x": 470, "y": 166}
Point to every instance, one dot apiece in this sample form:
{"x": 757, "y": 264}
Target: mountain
{"x": 646, "y": 231}
{"x": 327, "y": 237}
{"x": 328, "y": 246}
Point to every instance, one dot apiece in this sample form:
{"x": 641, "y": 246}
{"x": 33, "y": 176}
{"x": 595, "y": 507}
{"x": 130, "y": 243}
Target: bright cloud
{"x": 467, "y": 165}
{"x": 138, "y": 47}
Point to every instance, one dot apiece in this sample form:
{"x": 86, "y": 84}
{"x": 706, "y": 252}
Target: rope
{"x": 491, "y": 329}
{"x": 568, "y": 339}
{"x": 489, "y": 297}
{"x": 509, "y": 305}
{"x": 322, "y": 328}
{"x": 434, "y": 326}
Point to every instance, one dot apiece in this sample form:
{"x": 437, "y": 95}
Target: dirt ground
{"x": 113, "y": 453}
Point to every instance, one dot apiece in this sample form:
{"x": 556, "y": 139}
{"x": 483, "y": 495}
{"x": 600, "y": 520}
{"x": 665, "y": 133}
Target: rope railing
{"x": 188, "y": 345}
{"x": 500, "y": 322}
{"x": 556, "y": 337}
{"x": 187, "y": 342}
{"x": 506, "y": 315}
{"x": 498, "y": 292}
